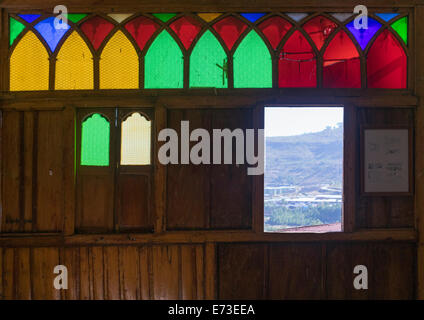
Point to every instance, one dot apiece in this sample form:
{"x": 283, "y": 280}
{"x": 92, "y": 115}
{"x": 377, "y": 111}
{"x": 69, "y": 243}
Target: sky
{"x": 291, "y": 121}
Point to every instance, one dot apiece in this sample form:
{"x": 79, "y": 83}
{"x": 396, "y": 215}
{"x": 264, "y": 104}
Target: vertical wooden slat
{"x": 8, "y": 274}
{"x": 28, "y": 169}
{"x": 129, "y": 272}
{"x": 200, "y": 274}
{"x": 2, "y": 296}
{"x": 72, "y": 262}
{"x": 188, "y": 272}
{"x": 85, "y": 274}
{"x": 258, "y": 180}
{"x": 165, "y": 272}
{"x": 43, "y": 262}
{"x": 23, "y": 272}
{"x": 210, "y": 271}
{"x": 144, "y": 272}
{"x": 97, "y": 271}
{"x": 111, "y": 273}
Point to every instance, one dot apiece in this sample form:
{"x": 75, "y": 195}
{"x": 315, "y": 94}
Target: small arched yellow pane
{"x": 74, "y": 65}
{"x": 29, "y": 65}
{"x": 136, "y": 140}
{"x": 119, "y": 64}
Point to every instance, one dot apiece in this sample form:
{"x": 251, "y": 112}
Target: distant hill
{"x": 307, "y": 159}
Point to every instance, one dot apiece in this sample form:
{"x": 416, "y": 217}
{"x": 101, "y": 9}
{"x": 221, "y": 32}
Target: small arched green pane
{"x": 95, "y": 134}
{"x": 208, "y": 63}
{"x": 252, "y": 63}
{"x": 76, "y": 17}
{"x": 16, "y": 28}
{"x": 401, "y": 27}
{"x": 164, "y": 17}
{"x": 164, "y": 64}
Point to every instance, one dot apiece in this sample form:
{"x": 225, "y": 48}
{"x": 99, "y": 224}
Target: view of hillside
{"x": 303, "y": 179}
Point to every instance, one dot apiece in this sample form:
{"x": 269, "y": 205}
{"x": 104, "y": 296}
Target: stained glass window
{"x": 186, "y": 29}
{"x": 51, "y": 35}
{"x": 252, "y": 17}
{"x": 363, "y": 36}
{"x": 74, "y": 65}
{"x": 297, "y": 63}
{"x": 29, "y": 65}
{"x": 387, "y": 16}
{"x": 274, "y": 29}
{"x": 136, "y": 140}
{"x": 119, "y": 64}
{"x": 297, "y": 16}
{"x": 342, "y": 17}
{"x": 142, "y": 29}
{"x": 164, "y": 17}
{"x": 230, "y": 29}
{"x": 15, "y": 30}
{"x": 319, "y": 29}
{"x": 119, "y": 17}
{"x": 401, "y": 27}
{"x": 208, "y": 17}
{"x": 30, "y": 17}
{"x": 252, "y": 63}
{"x": 208, "y": 63}
{"x": 164, "y": 64}
{"x": 386, "y": 63}
{"x": 95, "y": 134}
{"x": 96, "y": 30}
{"x": 342, "y": 66}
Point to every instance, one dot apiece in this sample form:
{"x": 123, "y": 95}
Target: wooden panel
{"x": 96, "y": 203}
{"x": 97, "y": 270}
{"x": 28, "y": 141}
{"x": 295, "y": 271}
{"x": 50, "y": 193}
{"x": 71, "y": 259}
{"x": 146, "y": 273}
{"x": 86, "y": 279}
{"x": 11, "y": 174}
{"x": 191, "y": 272}
{"x": 384, "y": 212}
{"x": 8, "y": 274}
{"x": 241, "y": 271}
{"x": 188, "y": 185}
{"x": 111, "y": 273}
{"x": 129, "y": 273}
{"x": 134, "y": 202}
{"x": 390, "y": 267}
{"x": 23, "y": 273}
{"x": 231, "y": 196}
{"x": 166, "y": 273}
{"x": 43, "y": 261}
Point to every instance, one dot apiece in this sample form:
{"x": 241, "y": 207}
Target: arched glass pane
{"x": 186, "y": 28}
{"x": 274, "y": 29}
{"x": 119, "y": 17}
{"x": 208, "y": 63}
{"x": 30, "y": 17}
{"x": 252, "y": 63}
{"x": 387, "y": 16}
{"x": 95, "y": 134}
{"x": 319, "y": 29}
{"x": 401, "y": 27}
{"x": 297, "y": 64}
{"x": 342, "y": 66}
{"x": 164, "y": 17}
{"x": 51, "y": 35}
{"x": 15, "y": 30}
{"x": 141, "y": 29}
{"x": 230, "y": 29}
{"x": 136, "y": 140}
{"x": 76, "y": 17}
{"x": 74, "y": 65}
{"x": 363, "y": 36}
{"x": 96, "y": 30}
{"x": 164, "y": 64}
{"x": 252, "y": 17}
{"x": 29, "y": 65}
{"x": 386, "y": 63}
{"x": 119, "y": 64}
{"x": 208, "y": 17}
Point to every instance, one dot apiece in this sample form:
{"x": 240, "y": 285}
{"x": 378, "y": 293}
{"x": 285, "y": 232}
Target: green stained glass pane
{"x": 15, "y": 30}
{"x": 95, "y": 134}
{"x": 164, "y": 64}
{"x": 164, "y": 16}
{"x": 401, "y": 27}
{"x": 252, "y": 63}
{"x": 208, "y": 63}
{"x": 76, "y": 17}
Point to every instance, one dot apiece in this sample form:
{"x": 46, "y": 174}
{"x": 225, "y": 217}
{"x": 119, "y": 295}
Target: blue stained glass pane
{"x": 387, "y": 16}
{"x": 363, "y": 36}
{"x": 30, "y": 17}
{"x": 252, "y": 17}
{"x": 48, "y": 31}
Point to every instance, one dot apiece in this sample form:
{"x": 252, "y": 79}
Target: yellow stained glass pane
{"x": 208, "y": 17}
{"x": 135, "y": 140}
{"x": 119, "y": 65}
{"x": 74, "y": 65}
{"x": 29, "y": 65}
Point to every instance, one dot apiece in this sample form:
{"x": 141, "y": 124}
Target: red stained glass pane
{"x": 186, "y": 28}
{"x": 319, "y": 29}
{"x": 386, "y": 63}
{"x": 275, "y": 29}
{"x": 142, "y": 29}
{"x": 342, "y": 66}
{"x": 297, "y": 64}
{"x": 96, "y": 29}
{"x": 230, "y": 30}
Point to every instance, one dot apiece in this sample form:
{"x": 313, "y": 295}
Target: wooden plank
{"x": 23, "y": 274}
{"x": 2, "y": 295}
{"x": 166, "y": 274}
{"x": 50, "y": 175}
{"x": 211, "y": 271}
{"x": 258, "y": 180}
{"x": 85, "y": 274}
{"x": 295, "y": 271}
{"x": 129, "y": 264}
{"x": 43, "y": 261}
{"x": 111, "y": 273}
{"x": 200, "y": 272}
{"x": 145, "y": 273}
{"x": 188, "y": 272}
{"x": 350, "y": 169}
{"x": 97, "y": 270}
{"x": 11, "y": 177}
{"x": 28, "y": 170}
{"x": 71, "y": 260}
{"x": 236, "y": 263}
{"x": 8, "y": 274}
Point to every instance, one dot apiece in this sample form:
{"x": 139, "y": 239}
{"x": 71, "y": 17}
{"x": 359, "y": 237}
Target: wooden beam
{"x": 160, "y": 173}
